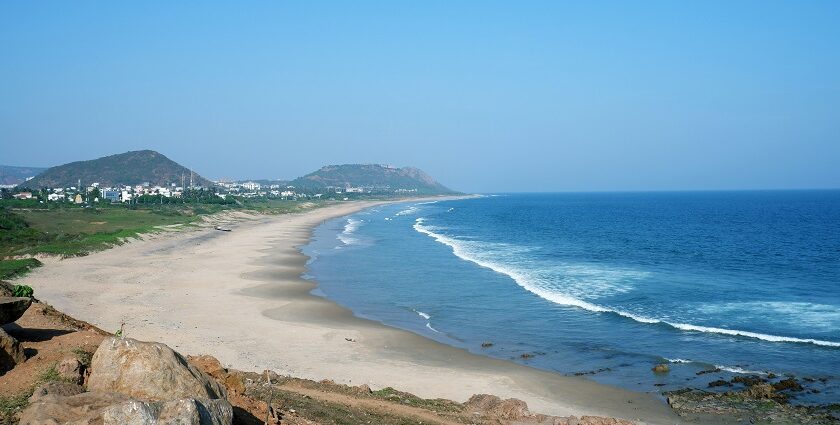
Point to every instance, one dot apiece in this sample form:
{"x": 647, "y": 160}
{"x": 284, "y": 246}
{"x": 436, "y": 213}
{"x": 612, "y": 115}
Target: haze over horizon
{"x": 484, "y": 96}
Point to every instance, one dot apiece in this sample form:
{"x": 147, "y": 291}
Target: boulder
{"x": 11, "y": 352}
{"x": 11, "y": 308}
{"x": 661, "y": 368}
{"x": 148, "y": 371}
{"x": 211, "y": 366}
{"x": 84, "y": 408}
{"x": 117, "y": 409}
{"x": 492, "y": 406}
{"x": 196, "y": 412}
{"x": 63, "y": 389}
{"x": 70, "y": 370}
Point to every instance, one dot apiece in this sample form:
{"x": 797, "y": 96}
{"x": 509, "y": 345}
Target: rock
{"x": 197, "y": 412}
{"x": 749, "y": 380}
{"x": 486, "y": 344}
{"x": 131, "y": 412}
{"x": 81, "y": 408}
{"x": 148, "y": 371}
{"x": 211, "y": 366}
{"x": 490, "y": 405}
{"x": 661, "y": 368}
{"x": 118, "y": 409}
{"x": 363, "y": 389}
{"x": 788, "y": 384}
{"x": 11, "y": 308}
{"x": 761, "y": 391}
{"x": 11, "y": 352}
{"x": 719, "y": 383}
{"x": 181, "y": 412}
{"x": 63, "y": 389}
{"x": 70, "y": 369}
{"x": 233, "y": 382}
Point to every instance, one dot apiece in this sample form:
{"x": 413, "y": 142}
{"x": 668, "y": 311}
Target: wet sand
{"x": 239, "y": 296}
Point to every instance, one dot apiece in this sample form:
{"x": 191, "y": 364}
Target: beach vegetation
{"x": 13, "y": 268}
{"x": 23, "y": 291}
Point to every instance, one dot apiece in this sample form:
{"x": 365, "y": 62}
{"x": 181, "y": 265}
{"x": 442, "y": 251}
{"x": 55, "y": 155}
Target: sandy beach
{"x": 239, "y": 296}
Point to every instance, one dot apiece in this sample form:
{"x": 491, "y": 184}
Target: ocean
{"x": 606, "y": 285}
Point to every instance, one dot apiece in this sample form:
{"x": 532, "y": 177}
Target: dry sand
{"x": 239, "y": 296}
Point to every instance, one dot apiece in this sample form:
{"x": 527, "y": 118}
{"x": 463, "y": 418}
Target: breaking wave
{"x": 464, "y": 250}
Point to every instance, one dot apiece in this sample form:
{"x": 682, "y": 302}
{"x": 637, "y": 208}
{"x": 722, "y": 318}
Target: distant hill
{"x": 128, "y": 168}
{"x": 371, "y": 176}
{"x": 15, "y": 175}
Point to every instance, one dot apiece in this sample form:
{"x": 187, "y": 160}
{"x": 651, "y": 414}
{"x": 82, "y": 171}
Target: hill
{"x": 372, "y": 176}
{"x": 16, "y": 175}
{"x": 128, "y": 168}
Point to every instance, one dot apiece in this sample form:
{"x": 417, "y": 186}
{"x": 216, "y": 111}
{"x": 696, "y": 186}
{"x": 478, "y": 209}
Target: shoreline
{"x": 240, "y": 297}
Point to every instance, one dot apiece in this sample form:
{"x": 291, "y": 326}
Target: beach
{"x": 240, "y": 297}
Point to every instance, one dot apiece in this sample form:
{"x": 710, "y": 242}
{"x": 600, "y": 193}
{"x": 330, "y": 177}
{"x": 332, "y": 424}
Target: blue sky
{"x": 485, "y": 96}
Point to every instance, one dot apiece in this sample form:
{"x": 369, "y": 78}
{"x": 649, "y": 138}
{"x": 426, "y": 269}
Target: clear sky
{"x": 485, "y": 96}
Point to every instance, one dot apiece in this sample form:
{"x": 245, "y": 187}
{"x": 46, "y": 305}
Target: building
{"x": 23, "y": 195}
{"x": 78, "y": 199}
{"x": 111, "y": 195}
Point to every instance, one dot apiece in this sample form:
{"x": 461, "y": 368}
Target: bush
{"x": 23, "y": 291}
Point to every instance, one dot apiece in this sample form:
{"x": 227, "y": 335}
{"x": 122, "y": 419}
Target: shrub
{"x": 23, "y": 291}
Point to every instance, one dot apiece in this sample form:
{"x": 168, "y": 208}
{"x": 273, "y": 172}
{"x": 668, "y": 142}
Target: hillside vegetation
{"x": 130, "y": 168}
{"x": 16, "y": 175}
{"x": 378, "y": 177}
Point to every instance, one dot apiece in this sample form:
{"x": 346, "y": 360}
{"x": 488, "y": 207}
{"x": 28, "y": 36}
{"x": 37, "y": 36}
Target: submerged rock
{"x": 661, "y": 368}
{"x": 148, "y": 371}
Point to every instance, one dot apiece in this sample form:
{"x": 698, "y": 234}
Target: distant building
{"x": 78, "y": 199}
{"x": 23, "y": 195}
{"x": 55, "y": 197}
{"x": 111, "y": 195}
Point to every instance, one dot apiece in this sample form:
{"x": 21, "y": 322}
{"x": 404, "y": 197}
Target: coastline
{"x": 240, "y": 296}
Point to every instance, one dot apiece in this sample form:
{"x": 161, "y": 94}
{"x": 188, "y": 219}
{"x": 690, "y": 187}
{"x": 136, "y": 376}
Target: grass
{"x": 69, "y": 231}
{"x": 10, "y": 405}
{"x": 83, "y": 356}
{"x": 15, "y": 268}
{"x": 437, "y": 405}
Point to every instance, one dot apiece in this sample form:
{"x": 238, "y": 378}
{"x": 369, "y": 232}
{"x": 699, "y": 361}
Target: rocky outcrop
{"x": 11, "y": 352}
{"x": 514, "y": 411}
{"x": 182, "y": 412}
{"x": 131, "y": 382}
{"x": 81, "y": 408}
{"x": 11, "y": 308}
{"x": 148, "y": 371}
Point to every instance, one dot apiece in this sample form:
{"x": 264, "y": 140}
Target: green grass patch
{"x": 15, "y": 268}
{"x": 83, "y": 356}
{"x": 11, "y": 405}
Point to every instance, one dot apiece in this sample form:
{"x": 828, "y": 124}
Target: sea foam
{"x": 463, "y": 251}
{"x": 349, "y": 229}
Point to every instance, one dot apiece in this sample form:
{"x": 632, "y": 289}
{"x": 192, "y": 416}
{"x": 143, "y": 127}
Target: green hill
{"x": 128, "y": 168}
{"x": 16, "y": 175}
{"x": 371, "y": 176}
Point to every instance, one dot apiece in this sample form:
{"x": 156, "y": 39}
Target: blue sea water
{"x": 605, "y": 285}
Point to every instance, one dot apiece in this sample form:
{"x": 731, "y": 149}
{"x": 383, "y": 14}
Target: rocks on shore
{"x": 132, "y": 382}
{"x": 661, "y": 368}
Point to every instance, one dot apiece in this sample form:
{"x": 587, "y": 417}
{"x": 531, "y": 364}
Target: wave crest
{"x": 461, "y": 251}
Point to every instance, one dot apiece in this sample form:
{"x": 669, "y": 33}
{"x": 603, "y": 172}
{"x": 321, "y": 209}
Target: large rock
{"x": 63, "y": 389}
{"x": 11, "y": 352}
{"x": 84, "y": 408}
{"x": 493, "y": 406}
{"x": 181, "y": 412}
{"x": 11, "y": 308}
{"x": 118, "y": 409}
{"x": 148, "y": 371}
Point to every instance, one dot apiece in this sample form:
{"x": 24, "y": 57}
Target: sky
{"x": 485, "y": 96}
